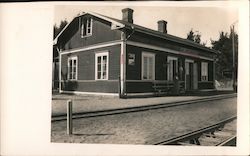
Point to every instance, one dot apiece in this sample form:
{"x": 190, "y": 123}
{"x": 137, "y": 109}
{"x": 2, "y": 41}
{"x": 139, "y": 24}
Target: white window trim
{"x": 205, "y": 63}
{"x": 142, "y": 67}
{"x": 96, "y": 66}
{"x": 85, "y": 29}
{"x": 72, "y": 58}
{"x": 171, "y": 58}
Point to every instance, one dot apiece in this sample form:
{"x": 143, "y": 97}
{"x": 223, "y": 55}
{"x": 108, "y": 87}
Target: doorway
{"x": 195, "y": 83}
{"x": 191, "y": 75}
{"x": 172, "y": 69}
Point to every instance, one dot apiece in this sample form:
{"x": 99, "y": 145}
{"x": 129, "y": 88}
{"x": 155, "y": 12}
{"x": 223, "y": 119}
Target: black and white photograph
{"x": 124, "y": 78}
{"x": 145, "y": 75}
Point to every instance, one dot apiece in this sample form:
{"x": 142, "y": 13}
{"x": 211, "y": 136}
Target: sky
{"x": 208, "y": 21}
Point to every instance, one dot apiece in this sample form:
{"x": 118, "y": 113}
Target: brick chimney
{"x": 162, "y": 26}
{"x": 127, "y": 15}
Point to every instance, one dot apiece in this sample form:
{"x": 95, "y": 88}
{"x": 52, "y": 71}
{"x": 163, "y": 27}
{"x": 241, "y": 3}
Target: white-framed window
{"x": 148, "y": 66}
{"x": 204, "y": 71}
{"x": 101, "y": 65}
{"x": 86, "y": 27}
{"x": 72, "y": 68}
{"x": 172, "y": 68}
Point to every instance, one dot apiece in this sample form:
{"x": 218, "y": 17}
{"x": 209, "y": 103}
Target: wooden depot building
{"x": 107, "y": 56}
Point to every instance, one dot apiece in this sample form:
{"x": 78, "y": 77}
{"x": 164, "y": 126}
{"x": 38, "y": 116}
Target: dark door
{"x": 189, "y": 75}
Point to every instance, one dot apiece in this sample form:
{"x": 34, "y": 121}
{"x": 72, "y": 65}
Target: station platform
{"x": 87, "y": 103}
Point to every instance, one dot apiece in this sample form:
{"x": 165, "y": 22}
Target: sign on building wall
{"x": 131, "y": 59}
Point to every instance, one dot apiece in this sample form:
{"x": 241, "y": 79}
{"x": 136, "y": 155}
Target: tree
{"x": 57, "y": 30}
{"x": 225, "y": 56}
{"x": 195, "y": 37}
{"x": 190, "y": 35}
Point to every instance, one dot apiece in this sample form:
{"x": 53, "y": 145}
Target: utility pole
{"x": 233, "y": 73}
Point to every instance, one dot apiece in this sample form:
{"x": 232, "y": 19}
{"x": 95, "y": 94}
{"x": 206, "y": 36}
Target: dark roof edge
{"x": 175, "y": 39}
{"x": 162, "y": 35}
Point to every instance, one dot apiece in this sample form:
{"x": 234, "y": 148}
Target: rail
{"x": 228, "y": 142}
{"x": 193, "y": 137}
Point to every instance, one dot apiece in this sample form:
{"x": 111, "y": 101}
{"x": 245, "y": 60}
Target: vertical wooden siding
{"x": 86, "y": 71}
{"x": 101, "y": 32}
{"x": 134, "y": 71}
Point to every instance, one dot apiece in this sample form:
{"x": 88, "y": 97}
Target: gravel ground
{"x": 88, "y": 104}
{"x": 144, "y": 127}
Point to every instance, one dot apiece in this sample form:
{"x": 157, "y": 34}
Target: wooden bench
{"x": 162, "y": 87}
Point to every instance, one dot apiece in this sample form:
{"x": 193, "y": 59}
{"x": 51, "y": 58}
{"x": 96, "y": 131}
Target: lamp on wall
{"x": 181, "y": 69}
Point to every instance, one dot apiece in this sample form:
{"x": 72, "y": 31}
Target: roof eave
{"x": 179, "y": 41}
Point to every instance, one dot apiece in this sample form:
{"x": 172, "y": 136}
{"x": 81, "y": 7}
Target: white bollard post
{"x": 69, "y": 117}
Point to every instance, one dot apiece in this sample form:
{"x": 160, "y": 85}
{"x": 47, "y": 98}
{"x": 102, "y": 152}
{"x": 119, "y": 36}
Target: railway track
{"x": 222, "y": 133}
{"x": 139, "y": 108}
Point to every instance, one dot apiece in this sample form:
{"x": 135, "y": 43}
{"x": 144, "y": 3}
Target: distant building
{"x": 103, "y": 55}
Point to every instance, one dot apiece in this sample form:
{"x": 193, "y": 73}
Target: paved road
{"x": 144, "y": 127}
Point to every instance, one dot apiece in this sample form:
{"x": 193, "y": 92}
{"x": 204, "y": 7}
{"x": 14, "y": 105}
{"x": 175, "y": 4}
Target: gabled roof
{"x": 122, "y": 24}
{"x": 119, "y": 24}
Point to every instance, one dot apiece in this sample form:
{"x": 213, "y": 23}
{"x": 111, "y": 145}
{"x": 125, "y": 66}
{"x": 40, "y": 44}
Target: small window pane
{"x": 99, "y": 75}
{"x": 150, "y": 76}
{"x": 150, "y": 70}
{"x": 99, "y": 67}
{"x": 99, "y": 60}
{"x": 88, "y": 31}
{"x": 70, "y": 69}
{"x": 82, "y": 30}
{"x": 89, "y": 22}
{"x": 105, "y": 59}
{"x": 104, "y": 75}
{"x": 83, "y": 27}
{"x": 104, "y": 67}
{"x": 70, "y": 63}
{"x": 71, "y": 75}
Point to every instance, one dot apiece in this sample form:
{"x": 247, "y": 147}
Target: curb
{"x": 140, "y": 108}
